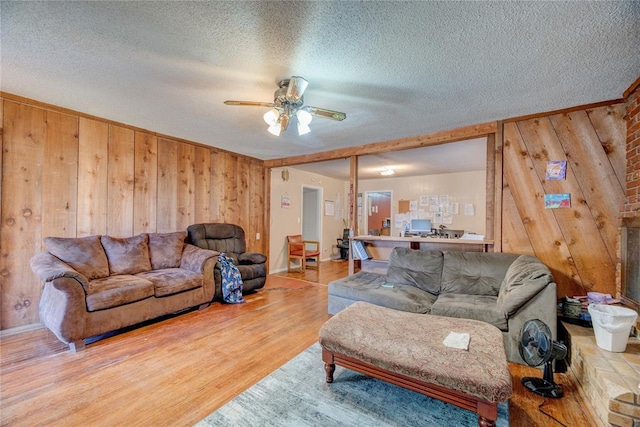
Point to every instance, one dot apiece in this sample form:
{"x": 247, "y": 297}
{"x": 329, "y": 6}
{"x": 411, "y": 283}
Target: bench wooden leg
{"x": 329, "y": 368}
{"x": 487, "y": 414}
{"x": 483, "y": 422}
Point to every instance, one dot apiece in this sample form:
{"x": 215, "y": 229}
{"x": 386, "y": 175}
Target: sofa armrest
{"x": 48, "y": 267}
{"x": 543, "y": 306}
{"x": 201, "y": 261}
{"x": 249, "y": 258}
{"x": 195, "y": 259}
{"x": 63, "y": 309}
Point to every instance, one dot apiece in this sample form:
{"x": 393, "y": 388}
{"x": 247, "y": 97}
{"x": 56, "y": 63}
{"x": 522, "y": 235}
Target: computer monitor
{"x": 420, "y": 226}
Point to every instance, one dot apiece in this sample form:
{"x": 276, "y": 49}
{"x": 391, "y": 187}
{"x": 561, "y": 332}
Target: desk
{"x": 380, "y": 247}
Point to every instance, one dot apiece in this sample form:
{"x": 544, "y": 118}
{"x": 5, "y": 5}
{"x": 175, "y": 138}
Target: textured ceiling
{"x": 397, "y": 69}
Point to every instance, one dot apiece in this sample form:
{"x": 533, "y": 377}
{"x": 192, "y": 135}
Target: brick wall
{"x": 631, "y": 207}
{"x": 608, "y": 382}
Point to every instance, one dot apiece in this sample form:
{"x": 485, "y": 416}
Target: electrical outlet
{"x": 257, "y": 236}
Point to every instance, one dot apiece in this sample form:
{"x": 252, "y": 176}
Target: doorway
{"x": 377, "y": 218}
{"x": 312, "y": 213}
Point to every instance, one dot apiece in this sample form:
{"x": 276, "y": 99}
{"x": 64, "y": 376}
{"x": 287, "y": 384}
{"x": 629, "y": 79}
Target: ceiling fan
{"x": 288, "y": 102}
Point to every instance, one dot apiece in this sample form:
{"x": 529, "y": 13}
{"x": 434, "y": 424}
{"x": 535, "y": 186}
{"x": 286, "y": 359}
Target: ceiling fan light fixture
{"x": 303, "y": 129}
{"x": 271, "y": 117}
{"x": 287, "y": 102}
{"x": 304, "y": 117}
{"x": 275, "y": 129}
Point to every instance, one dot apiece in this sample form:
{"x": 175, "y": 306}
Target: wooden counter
{"x": 380, "y": 247}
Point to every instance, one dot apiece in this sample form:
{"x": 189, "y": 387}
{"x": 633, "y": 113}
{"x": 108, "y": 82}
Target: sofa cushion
{"x": 165, "y": 249}
{"x": 477, "y": 307}
{"x": 422, "y": 269}
{"x": 117, "y": 290}
{"x": 474, "y": 273}
{"x": 252, "y": 271}
{"x": 127, "y": 255}
{"x": 525, "y": 278}
{"x": 84, "y": 254}
{"x": 372, "y": 287}
{"x": 170, "y": 281}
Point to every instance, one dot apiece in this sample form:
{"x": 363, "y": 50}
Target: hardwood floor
{"x": 177, "y": 371}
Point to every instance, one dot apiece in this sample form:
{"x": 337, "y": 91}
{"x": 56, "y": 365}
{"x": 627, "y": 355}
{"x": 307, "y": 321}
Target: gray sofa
{"x": 98, "y": 284}
{"x": 502, "y": 289}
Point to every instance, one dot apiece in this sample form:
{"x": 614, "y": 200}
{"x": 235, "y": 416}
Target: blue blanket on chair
{"x": 231, "y": 280}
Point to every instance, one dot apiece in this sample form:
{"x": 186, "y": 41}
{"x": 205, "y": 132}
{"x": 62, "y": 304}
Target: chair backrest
{"x": 221, "y": 237}
{"x": 345, "y": 234}
{"x": 296, "y": 243}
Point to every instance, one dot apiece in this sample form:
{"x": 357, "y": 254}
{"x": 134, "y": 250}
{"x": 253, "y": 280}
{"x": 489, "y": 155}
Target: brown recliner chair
{"x": 229, "y": 238}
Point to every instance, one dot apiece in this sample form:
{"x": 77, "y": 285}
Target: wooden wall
{"x": 67, "y": 174}
{"x": 577, "y": 243}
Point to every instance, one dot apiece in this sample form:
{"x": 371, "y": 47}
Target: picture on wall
{"x": 555, "y": 201}
{"x": 556, "y": 170}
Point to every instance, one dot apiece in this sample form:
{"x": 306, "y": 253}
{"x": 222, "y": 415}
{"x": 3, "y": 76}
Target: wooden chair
{"x": 297, "y": 249}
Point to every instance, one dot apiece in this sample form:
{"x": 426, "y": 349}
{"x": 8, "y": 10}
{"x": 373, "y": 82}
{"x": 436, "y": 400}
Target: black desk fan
{"x": 537, "y": 347}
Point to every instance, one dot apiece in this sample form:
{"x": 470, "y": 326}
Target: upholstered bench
{"x": 407, "y": 349}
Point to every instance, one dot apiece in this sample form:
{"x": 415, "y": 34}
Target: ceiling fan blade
{"x": 295, "y": 89}
{"x": 327, "y": 114}
{"x": 250, "y": 103}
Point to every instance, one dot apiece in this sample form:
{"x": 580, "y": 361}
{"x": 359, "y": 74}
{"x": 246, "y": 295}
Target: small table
{"x": 406, "y": 349}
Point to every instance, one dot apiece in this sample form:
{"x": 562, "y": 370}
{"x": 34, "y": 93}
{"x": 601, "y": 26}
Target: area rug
{"x": 297, "y": 395}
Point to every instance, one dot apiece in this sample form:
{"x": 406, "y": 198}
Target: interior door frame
{"x": 318, "y": 213}
{"x": 366, "y": 207}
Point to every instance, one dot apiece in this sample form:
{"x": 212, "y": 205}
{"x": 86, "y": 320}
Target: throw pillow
{"x": 127, "y": 256}
{"x": 525, "y": 278}
{"x": 85, "y": 254}
{"x": 166, "y": 249}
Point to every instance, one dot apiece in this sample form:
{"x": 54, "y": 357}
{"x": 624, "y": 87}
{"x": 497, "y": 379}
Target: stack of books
{"x": 359, "y": 250}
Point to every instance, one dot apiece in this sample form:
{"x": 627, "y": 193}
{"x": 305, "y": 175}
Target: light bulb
{"x": 304, "y": 117}
{"x": 275, "y": 129}
{"x": 271, "y": 117}
{"x": 303, "y": 129}
{"x": 387, "y": 172}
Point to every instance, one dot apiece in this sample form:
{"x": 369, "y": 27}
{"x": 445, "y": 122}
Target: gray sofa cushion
{"x": 367, "y": 286}
{"x": 474, "y": 273}
{"x": 525, "y": 278}
{"x": 421, "y": 269}
{"x": 477, "y": 307}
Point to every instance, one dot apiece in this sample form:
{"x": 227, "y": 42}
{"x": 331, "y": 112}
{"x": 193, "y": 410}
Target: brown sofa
{"x": 98, "y": 284}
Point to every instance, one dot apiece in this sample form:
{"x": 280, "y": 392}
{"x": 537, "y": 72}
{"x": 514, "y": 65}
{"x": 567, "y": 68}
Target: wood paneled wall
{"x": 577, "y": 243}
{"x": 69, "y": 175}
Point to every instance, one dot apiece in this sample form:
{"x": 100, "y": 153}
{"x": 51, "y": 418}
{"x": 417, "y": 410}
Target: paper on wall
{"x": 469, "y": 209}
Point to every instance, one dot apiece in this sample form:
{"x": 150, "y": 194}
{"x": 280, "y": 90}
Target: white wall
{"x": 463, "y": 187}
{"x": 287, "y": 221}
